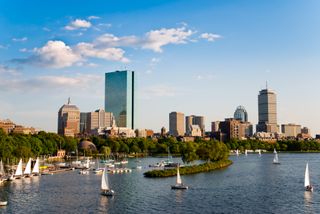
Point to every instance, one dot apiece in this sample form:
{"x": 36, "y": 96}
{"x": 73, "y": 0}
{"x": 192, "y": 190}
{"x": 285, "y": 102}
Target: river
{"x": 251, "y": 185}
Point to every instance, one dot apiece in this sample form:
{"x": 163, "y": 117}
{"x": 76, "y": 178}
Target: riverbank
{"x": 205, "y": 167}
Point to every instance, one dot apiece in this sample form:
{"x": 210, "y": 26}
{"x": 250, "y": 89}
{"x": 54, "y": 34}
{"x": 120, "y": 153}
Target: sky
{"x": 200, "y": 57}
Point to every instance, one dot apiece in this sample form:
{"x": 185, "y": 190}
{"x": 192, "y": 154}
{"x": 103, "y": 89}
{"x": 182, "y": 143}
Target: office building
{"x": 241, "y": 114}
{"x": 291, "y": 130}
{"x": 267, "y": 108}
{"x": 69, "y": 120}
{"x": 176, "y": 124}
{"x": 235, "y": 129}
{"x": 215, "y": 126}
{"x": 194, "y": 120}
{"x": 90, "y": 122}
{"x": 119, "y": 97}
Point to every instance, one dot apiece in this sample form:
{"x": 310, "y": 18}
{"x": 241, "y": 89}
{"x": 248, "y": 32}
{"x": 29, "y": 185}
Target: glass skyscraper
{"x": 119, "y": 97}
{"x": 241, "y": 114}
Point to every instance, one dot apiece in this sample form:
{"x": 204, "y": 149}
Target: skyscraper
{"x": 119, "y": 97}
{"x": 69, "y": 120}
{"x": 267, "y": 108}
{"x": 176, "y": 124}
{"x": 241, "y": 114}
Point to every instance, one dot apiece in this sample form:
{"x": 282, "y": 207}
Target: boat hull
{"x": 108, "y": 193}
{"x": 176, "y": 187}
{"x": 3, "y": 203}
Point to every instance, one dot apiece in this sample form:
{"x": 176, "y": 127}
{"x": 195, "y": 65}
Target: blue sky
{"x": 198, "y": 57}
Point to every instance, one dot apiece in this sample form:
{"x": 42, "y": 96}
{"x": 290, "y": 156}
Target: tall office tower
{"x": 69, "y": 120}
{"x": 195, "y": 120}
{"x": 119, "y": 97}
{"x": 241, "y": 114}
{"x": 176, "y": 124}
{"x": 267, "y": 108}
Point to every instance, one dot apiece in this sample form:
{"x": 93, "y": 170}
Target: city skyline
{"x": 206, "y": 64}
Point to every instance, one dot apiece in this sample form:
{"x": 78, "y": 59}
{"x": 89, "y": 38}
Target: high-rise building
{"x": 235, "y": 129}
{"x": 119, "y": 97}
{"x": 194, "y": 120}
{"x": 69, "y": 120}
{"x": 215, "y": 126}
{"x": 92, "y": 121}
{"x": 176, "y": 124}
{"x": 267, "y": 108}
{"x": 241, "y": 114}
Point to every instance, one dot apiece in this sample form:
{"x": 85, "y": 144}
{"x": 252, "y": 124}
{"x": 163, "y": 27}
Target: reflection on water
{"x": 179, "y": 195}
{"x": 249, "y": 184}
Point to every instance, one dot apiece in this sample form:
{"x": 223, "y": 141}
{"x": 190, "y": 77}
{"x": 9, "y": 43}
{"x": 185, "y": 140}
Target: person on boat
{"x": 309, "y": 188}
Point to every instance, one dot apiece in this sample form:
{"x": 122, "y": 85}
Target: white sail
{"x": 307, "y": 177}
{"x": 237, "y": 152}
{"x": 27, "y": 170}
{"x": 104, "y": 180}
{"x": 275, "y": 159}
{"x": 36, "y": 167}
{"x": 246, "y": 152}
{"x": 274, "y": 151}
{"x": 259, "y": 151}
{"x": 19, "y": 169}
{"x": 178, "y": 176}
{"x": 1, "y": 168}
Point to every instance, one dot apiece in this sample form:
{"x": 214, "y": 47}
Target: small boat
{"x": 124, "y": 162}
{"x": 18, "y": 174}
{"x": 105, "y": 189}
{"x": 179, "y": 184}
{"x": 36, "y": 170}
{"x": 139, "y": 167}
{"x": 84, "y": 172}
{"x": 307, "y": 183}
{"x": 246, "y": 152}
{"x": 259, "y": 151}
{"x": 237, "y": 152}
{"x": 275, "y": 159}
{"x": 27, "y": 171}
{"x": 3, "y": 203}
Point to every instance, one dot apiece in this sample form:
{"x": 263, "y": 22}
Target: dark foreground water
{"x": 250, "y": 185}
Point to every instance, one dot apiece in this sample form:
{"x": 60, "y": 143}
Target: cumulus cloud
{"x": 23, "y": 39}
{"x": 210, "y": 36}
{"x": 55, "y": 54}
{"x": 155, "y": 39}
{"x": 78, "y": 24}
{"x": 107, "y": 53}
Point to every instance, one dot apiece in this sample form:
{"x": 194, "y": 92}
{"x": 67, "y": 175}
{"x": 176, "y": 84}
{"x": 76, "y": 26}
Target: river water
{"x": 251, "y": 185}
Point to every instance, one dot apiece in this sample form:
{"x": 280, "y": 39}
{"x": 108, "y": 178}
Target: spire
{"x": 69, "y": 101}
{"x": 267, "y": 84}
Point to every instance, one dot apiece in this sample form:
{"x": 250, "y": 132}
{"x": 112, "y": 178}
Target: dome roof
{"x": 87, "y": 145}
{"x": 68, "y": 107}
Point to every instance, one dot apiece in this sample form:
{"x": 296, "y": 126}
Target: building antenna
{"x": 267, "y": 84}
{"x": 69, "y": 101}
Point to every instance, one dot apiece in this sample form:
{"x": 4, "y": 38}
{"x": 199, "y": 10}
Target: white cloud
{"x": 7, "y": 70}
{"x": 78, "y": 24}
{"x": 155, "y": 39}
{"x": 210, "y": 36}
{"x": 23, "y": 39}
{"x": 93, "y": 17}
{"x": 107, "y": 53}
{"x": 108, "y": 25}
{"x": 55, "y": 54}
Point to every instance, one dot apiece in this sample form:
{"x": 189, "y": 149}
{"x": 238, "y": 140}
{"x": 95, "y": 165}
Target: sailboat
{"x": 2, "y": 172}
{"x": 98, "y": 170}
{"x": 307, "y": 184}
{"x": 259, "y": 151}
{"x": 246, "y": 152}
{"x": 237, "y": 152}
{"x": 179, "y": 184}
{"x": 275, "y": 159}
{"x": 27, "y": 171}
{"x": 105, "y": 189}
{"x": 18, "y": 174}
{"x": 36, "y": 170}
